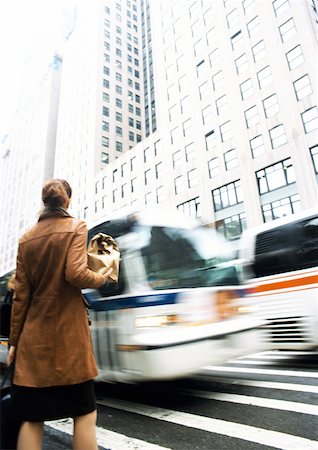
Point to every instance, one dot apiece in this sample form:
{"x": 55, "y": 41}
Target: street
{"x": 261, "y": 401}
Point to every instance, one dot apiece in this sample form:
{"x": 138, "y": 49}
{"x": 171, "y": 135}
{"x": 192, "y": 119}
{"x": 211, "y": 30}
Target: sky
{"x": 22, "y": 22}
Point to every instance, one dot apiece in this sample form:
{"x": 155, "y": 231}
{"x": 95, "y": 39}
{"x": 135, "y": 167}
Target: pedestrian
{"x": 50, "y": 340}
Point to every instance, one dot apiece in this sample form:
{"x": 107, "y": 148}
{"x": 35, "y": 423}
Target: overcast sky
{"x": 22, "y": 21}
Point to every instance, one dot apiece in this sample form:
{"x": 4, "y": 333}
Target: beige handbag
{"x": 103, "y": 254}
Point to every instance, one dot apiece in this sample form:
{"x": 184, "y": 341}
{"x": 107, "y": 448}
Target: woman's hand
{"x": 11, "y": 355}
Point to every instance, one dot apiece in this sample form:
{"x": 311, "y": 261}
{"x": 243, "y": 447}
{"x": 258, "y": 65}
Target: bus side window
{"x": 307, "y": 252}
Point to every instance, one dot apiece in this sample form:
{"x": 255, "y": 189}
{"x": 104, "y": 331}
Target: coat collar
{"x": 48, "y": 212}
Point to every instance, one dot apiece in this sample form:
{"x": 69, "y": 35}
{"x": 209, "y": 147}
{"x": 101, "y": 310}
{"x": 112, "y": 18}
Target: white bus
{"x": 177, "y": 305}
{"x": 280, "y": 270}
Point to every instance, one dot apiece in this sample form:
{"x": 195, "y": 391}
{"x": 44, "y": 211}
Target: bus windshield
{"x": 181, "y": 258}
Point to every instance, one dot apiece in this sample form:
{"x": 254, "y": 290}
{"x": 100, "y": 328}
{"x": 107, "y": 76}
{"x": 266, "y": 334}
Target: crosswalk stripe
{"x": 267, "y": 384}
{"x": 284, "y": 373}
{"x": 106, "y": 438}
{"x": 283, "y": 405}
{"x": 261, "y": 436}
{"x": 250, "y": 361}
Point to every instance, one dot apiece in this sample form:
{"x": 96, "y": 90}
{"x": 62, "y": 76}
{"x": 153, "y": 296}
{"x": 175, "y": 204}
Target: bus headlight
{"x": 155, "y": 321}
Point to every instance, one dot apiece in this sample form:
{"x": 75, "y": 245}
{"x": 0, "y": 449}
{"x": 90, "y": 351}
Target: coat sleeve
{"x": 76, "y": 272}
{"x": 21, "y": 300}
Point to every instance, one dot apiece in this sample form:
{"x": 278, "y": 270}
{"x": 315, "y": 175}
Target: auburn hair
{"x": 56, "y": 193}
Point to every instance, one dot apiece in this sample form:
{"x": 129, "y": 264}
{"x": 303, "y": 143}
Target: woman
{"x": 50, "y": 338}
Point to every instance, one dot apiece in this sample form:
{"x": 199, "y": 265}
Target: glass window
{"x": 314, "y": 155}
{"x": 246, "y": 89}
{"x": 119, "y": 131}
{"x": 124, "y": 170}
{"x": 230, "y": 159}
{"x": 201, "y": 68}
{"x": 233, "y": 18}
{"x": 214, "y": 167}
{"x": 178, "y": 184}
{"x": 159, "y": 170}
{"x": 105, "y": 111}
{"x": 310, "y": 119}
{"x": 218, "y": 80}
{"x": 280, "y": 6}
{"x": 214, "y": 58}
{"x": 134, "y": 185}
{"x": 160, "y": 195}
{"x": 147, "y": 177}
{"x": 228, "y": 195}
{"x": 199, "y": 48}
{"x": 191, "y": 208}
{"x": 105, "y": 97}
{"x": 131, "y": 136}
{"x": 248, "y": 6}
{"x": 271, "y": 105}
{"x": 105, "y": 126}
{"x": 119, "y": 103}
{"x": 251, "y": 117}
{"x": 295, "y": 57}
{"x": 130, "y": 121}
{"x": 207, "y": 115}
{"x": 264, "y": 77}
{"x": 177, "y": 159}
{"x": 175, "y": 135}
{"x": 190, "y": 151}
{"x": 173, "y": 112}
{"x": 236, "y": 39}
{"x": 254, "y": 27}
{"x": 287, "y": 30}
{"x": 302, "y": 87}
{"x": 105, "y": 141}
{"x": 119, "y": 146}
{"x": 204, "y": 90}
{"x": 275, "y": 176}
{"x": 185, "y": 105}
{"x": 118, "y": 89}
{"x": 221, "y": 104}
{"x": 259, "y": 51}
{"x": 210, "y": 140}
{"x": 187, "y": 128}
{"x": 226, "y": 131}
{"x": 105, "y": 83}
{"x": 105, "y": 157}
{"x": 146, "y": 154}
{"x": 281, "y": 208}
{"x": 241, "y": 63}
{"x": 232, "y": 227}
{"x": 210, "y": 37}
{"x": 278, "y": 136}
{"x": 182, "y": 84}
{"x": 192, "y": 178}
{"x": 257, "y": 146}
{"x": 157, "y": 147}
{"x": 119, "y": 116}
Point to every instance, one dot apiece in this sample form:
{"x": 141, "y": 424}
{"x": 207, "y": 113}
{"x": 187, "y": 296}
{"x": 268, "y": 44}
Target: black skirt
{"x": 34, "y": 404}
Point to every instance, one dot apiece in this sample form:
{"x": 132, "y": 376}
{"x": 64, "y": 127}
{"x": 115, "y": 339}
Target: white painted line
{"x": 248, "y": 361}
{"x": 280, "y": 355}
{"x": 106, "y": 438}
{"x": 283, "y": 405}
{"x": 267, "y": 384}
{"x": 261, "y": 436}
{"x": 283, "y": 373}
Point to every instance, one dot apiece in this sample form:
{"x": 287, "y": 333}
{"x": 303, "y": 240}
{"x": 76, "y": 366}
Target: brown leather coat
{"x": 49, "y": 323}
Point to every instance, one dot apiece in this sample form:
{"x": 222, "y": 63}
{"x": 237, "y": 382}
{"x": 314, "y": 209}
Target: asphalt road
{"x": 263, "y": 401}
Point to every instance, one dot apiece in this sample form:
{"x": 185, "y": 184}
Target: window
{"x": 105, "y": 126}
{"x": 119, "y": 146}
{"x": 204, "y": 90}
{"x": 201, "y": 68}
{"x": 131, "y": 136}
{"x": 185, "y": 105}
{"x": 264, "y": 77}
{"x": 259, "y": 51}
{"x": 119, "y": 103}
{"x": 187, "y": 128}
{"x": 105, "y": 97}
{"x": 257, "y": 146}
{"x": 281, "y": 208}
{"x": 191, "y": 208}
{"x": 105, "y": 111}
{"x": 190, "y": 152}
{"x": 310, "y": 119}
{"x": 115, "y": 195}
{"x": 133, "y": 163}
{"x": 236, "y": 39}
{"x": 207, "y": 115}
{"x": 159, "y": 170}
{"x": 119, "y": 131}
{"x": 146, "y": 154}
{"x": 192, "y": 178}
{"x": 199, "y": 48}
{"x": 124, "y": 170}
{"x": 119, "y": 116}
{"x": 218, "y": 80}
{"x": 138, "y": 125}
{"x": 182, "y": 84}
{"x": 233, "y": 18}
{"x": 118, "y": 89}
{"x": 147, "y": 177}
{"x": 221, "y": 104}
{"x": 226, "y": 131}
{"x": 241, "y": 63}
{"x": 251, "y": 117}
{"x": 254, "y": 27}
{"x": 248, "y": 6}
{"x": 295, "y": 57}
{"x": 157, "y": 147}
{"x": 175, "y": 135}
{"x": 134, "y": 185}
{"x": 115, "y": 175}
{"x": 178, "y": 184}
{"x": 177, "y": 159}
{"x": 105, "y": 158}
{"x": 314, "y": 155}
{"x": 230, "y": 159}
{"x": 160, "y": 196}
{"x": 232, "y": 227}
{"x": 214, "y": 57}
{"x": 173, "y": 113}
{"x": 105, "y": 141}
{"x": 106, "y": 83}
{"x": 280, "y": 6}
{"x": 287, "y": 30}
{"x": 130, "y": 121}
{"x": 271, "y": 105}
{"x": 302, "y": 87}
{"x": 275, "y": 176}
{"x": 246, "y": 89}
{"x": 278, "y": 136}
{"x": 130, "y": 108}
{"x": 228, "y": 195}
{"x": 210, "y": 140}
{"x": 124, "y": 190}
{"x": 214, "y": 167}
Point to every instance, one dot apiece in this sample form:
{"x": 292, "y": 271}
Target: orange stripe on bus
{"x": 285, "y": 284}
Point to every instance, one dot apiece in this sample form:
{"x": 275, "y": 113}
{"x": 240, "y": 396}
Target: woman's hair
{"x": 56, "y": 193}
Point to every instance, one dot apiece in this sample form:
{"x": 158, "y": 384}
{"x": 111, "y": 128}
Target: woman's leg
{"x": 84, "y": 436}
{"x": 30, "y": 436}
